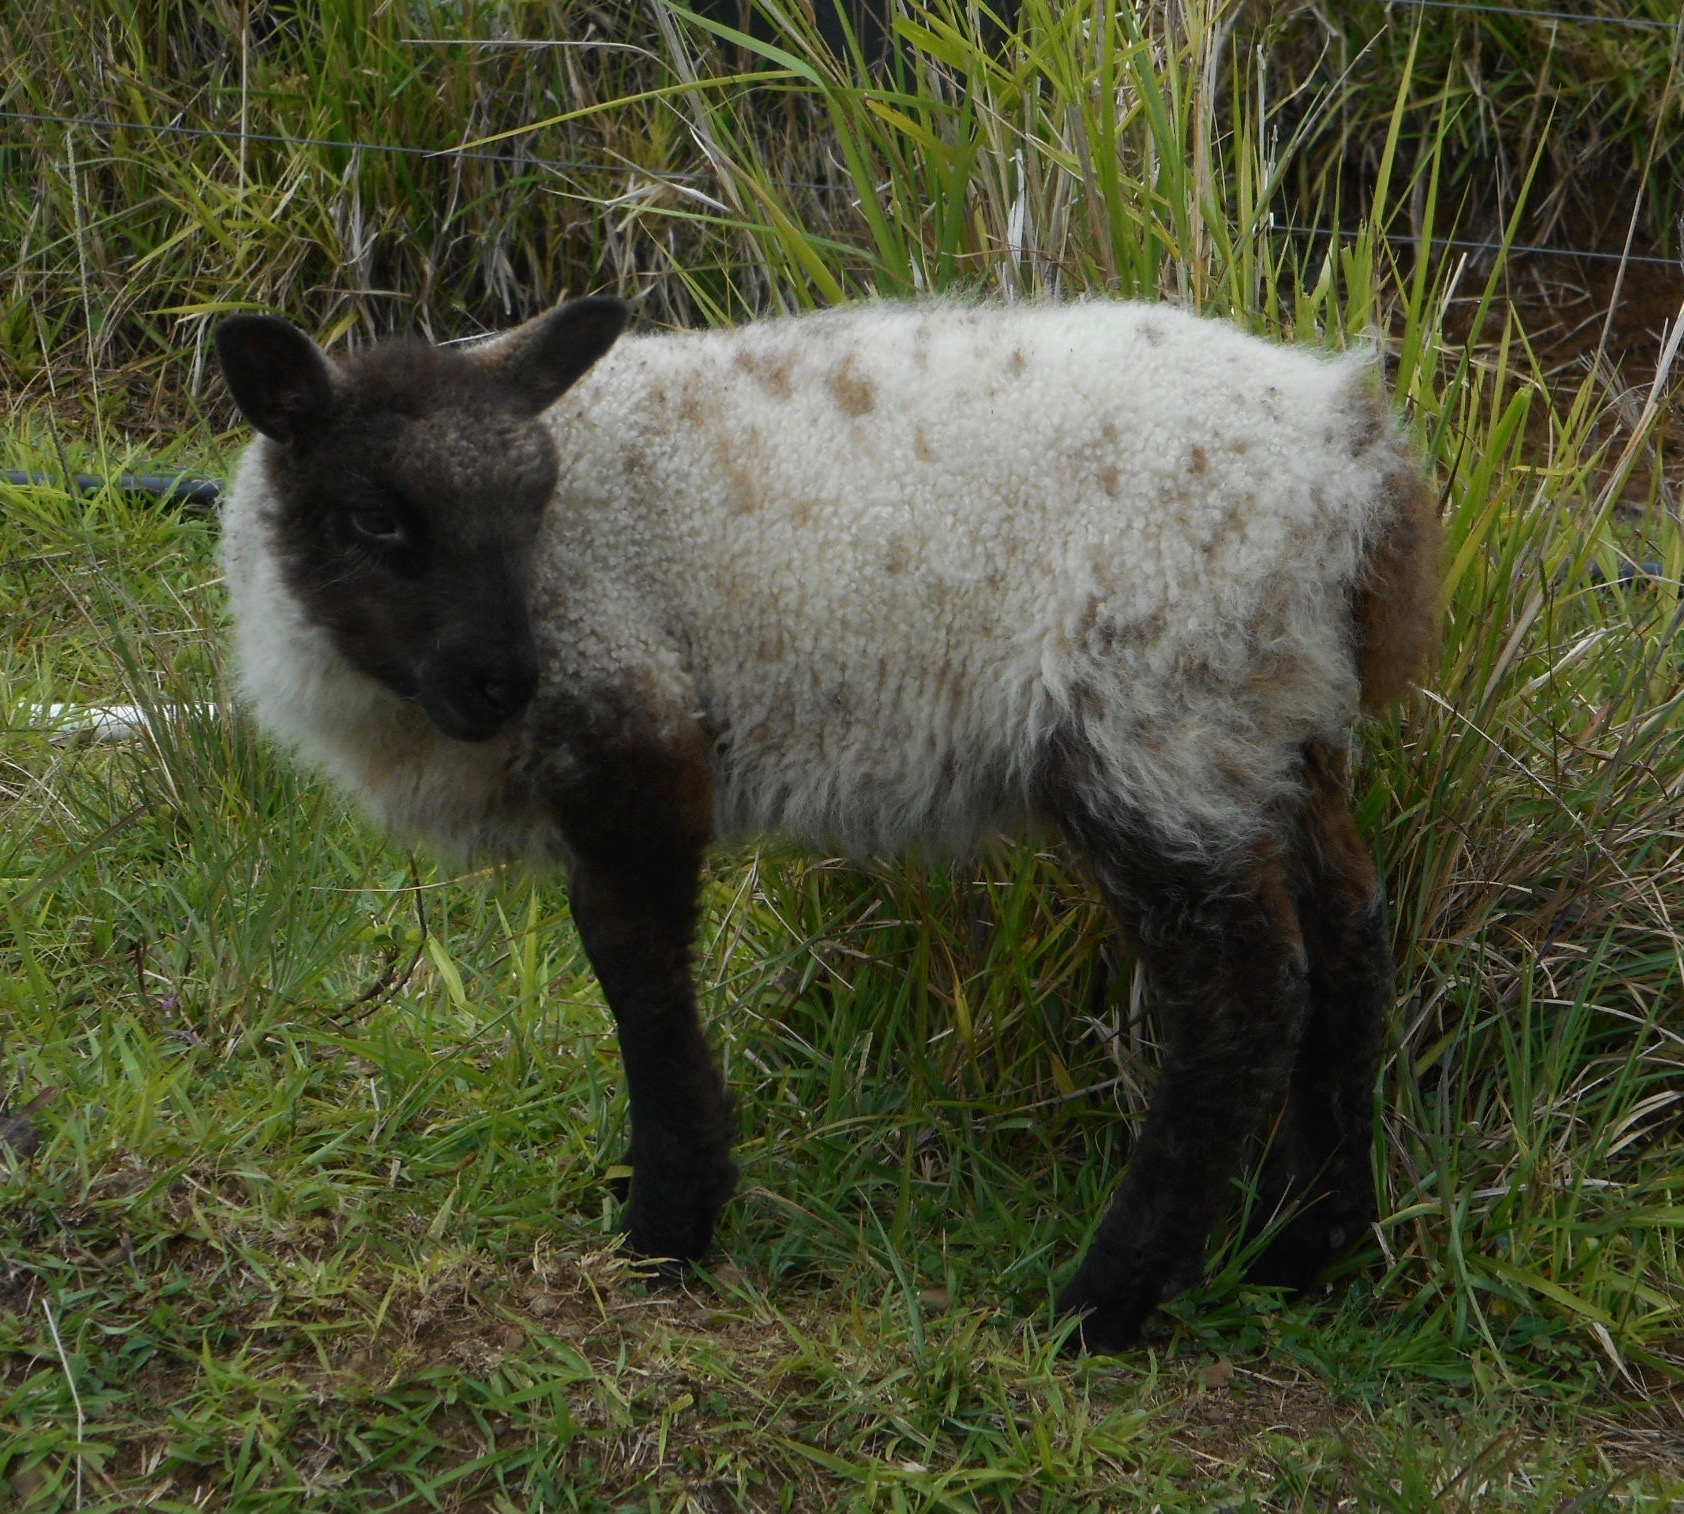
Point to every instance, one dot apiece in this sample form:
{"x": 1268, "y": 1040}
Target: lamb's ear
{"x": 280, "y": 379}
{"x": 542, "y": 360}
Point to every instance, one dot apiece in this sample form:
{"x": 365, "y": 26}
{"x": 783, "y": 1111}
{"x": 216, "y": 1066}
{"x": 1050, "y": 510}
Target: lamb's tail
{"x": 1396, "y": 611}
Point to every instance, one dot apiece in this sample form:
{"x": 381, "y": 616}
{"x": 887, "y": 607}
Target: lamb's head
{"x": 408, "y": 485}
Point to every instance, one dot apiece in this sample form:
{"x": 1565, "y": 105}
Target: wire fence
{"x": 1525, "y": 13}
{"x": 526, "y": 161}
{"x": 198, "y": 493}
{"x": 279, "y": 139}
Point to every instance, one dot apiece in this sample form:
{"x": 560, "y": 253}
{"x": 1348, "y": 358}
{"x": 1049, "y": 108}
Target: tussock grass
{"x": 1589, "y": 89}
{"x": 308, "y": 162}
{"x": 321, "y": 1214}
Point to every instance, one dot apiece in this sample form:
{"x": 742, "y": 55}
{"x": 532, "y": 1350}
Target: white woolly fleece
{"x": 883, "y": 554}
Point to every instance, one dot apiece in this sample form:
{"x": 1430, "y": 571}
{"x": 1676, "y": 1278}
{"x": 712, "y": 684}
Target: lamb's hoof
{"x": 1305, "y": 1246}
{"x": 664, "y": 1253}
{"x": 1108, "y": 1323}
{"x": 669, "y": 1218}
{"x": 666, "y": 1274}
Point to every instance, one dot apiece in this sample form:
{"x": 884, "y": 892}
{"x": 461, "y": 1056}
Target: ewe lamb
{"x": 894, "y": 573}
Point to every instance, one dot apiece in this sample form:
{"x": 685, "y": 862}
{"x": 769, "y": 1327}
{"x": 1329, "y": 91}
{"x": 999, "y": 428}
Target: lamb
{"x": 895, "y": 573}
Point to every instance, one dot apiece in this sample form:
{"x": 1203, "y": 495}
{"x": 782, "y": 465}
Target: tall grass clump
{"x": 1529, "y": 805}
{"x": 321, "y": 1213}
{"x": 167, "y": 163}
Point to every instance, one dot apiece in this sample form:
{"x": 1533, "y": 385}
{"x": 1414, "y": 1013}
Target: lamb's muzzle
{"x": 877, "y": 576}
{"x": 471, "y": 696}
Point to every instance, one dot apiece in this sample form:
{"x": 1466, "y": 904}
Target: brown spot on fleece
{"x": 854, "y": 393}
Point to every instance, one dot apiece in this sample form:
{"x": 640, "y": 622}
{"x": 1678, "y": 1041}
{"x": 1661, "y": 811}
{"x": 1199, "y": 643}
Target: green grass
{"x": 321, "y": 1213}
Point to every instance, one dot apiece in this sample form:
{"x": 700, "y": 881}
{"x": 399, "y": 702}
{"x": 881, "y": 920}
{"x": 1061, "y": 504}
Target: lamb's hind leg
{"x": 1225, "y": 961}
{"x": 1319, "y": 1163}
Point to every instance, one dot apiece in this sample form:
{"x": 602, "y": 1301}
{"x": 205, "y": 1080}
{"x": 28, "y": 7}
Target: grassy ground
{"x": 315, "y": 1209}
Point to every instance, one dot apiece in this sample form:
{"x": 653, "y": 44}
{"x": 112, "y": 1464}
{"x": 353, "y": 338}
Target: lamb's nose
{"x": 508, "y": 692}
{"x": 472, "y": 696}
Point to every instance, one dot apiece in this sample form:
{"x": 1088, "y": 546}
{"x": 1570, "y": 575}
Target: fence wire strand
{"x": 572, "y": 165}
{"x": 1522, "y": 13}
{"x": 559, "y": 165}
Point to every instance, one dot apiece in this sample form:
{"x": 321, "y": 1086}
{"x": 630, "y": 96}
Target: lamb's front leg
{"x": 1225, "y": 962}
{"x": 637, "y": 826}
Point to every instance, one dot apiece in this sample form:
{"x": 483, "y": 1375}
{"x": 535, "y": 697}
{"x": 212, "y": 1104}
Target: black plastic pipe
{"x": 166, "y": 488}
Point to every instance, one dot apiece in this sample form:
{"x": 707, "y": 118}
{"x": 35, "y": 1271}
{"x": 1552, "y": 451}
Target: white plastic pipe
{"x": 105, "y": 722}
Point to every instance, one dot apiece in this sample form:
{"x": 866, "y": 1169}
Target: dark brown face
{"x": 410, "y": 482}
{"x": 407, "y": 529}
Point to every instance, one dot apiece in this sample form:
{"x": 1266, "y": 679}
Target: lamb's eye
{"x": 378, "y": 525}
